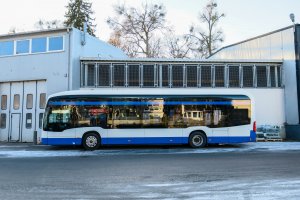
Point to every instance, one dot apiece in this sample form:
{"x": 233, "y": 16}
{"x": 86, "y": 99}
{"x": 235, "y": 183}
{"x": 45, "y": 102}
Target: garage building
{"x": 36, "y": 64}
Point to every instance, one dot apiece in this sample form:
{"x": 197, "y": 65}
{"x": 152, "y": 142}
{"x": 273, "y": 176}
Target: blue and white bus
{"x": 148, "y": 117}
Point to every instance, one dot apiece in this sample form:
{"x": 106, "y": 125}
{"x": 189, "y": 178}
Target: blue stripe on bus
{"x": 137, "y": 103}
{"x": 228, "y": 140}
{"x": 148, "y": 140}
{"x": 61, "y": 141}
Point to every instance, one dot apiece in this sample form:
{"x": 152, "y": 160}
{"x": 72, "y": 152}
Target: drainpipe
{"x": 297, "y": 60}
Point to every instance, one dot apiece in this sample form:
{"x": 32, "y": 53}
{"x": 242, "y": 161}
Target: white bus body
{"x": 120, "y": 130}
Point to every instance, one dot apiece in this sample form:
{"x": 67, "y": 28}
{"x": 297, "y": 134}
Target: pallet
{"x": 269, "y": 140}
{"x": 273, "y": 140}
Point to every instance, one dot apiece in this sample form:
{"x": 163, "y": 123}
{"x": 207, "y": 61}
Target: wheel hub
{"x": 197, "y": 140}
{"x": 91, "y": 141}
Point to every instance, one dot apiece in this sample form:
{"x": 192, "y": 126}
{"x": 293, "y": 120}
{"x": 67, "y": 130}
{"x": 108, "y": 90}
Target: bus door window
{"x": 98, "y": 116}
{"x": 74, "y": 116}
{"x": 207, "y": 118}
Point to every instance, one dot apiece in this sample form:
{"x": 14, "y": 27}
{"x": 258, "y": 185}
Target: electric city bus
{"x": 92, "y": 118}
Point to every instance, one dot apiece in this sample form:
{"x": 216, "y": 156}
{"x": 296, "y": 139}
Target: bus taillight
{"x": 254, "y": 126}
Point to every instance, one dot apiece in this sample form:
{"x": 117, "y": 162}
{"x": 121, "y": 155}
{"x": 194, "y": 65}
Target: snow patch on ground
{"x": 20, "y": 151}
{"x": 226, "y": 190}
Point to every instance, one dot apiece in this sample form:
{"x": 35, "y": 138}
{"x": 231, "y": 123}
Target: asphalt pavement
{"x": 248, "y": 171}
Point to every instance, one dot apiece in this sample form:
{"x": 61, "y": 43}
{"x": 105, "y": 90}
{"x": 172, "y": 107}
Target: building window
{"x": 234, "y": 76}
{"x": 219, "y": 76}
{"x": 165, "y": 75}
{"x": 133, "y": 75}
{"x": 148, "y": 76}
{"x": 177, "y": 76}
{"x": 273, "y": 76}
{"x": 206, "y": 76}
{"x": 22, "y": 47}
{"x": 6, "y": 48}
{"x": 103, "y": 75}
{"x": 261, "y": 73}
{"x": 29, "y": 101}
{"x": 56, "y": 43}
{"x": 41, "y": 120}
{"x": 247, "y": 76}
{"x": 28, "y": 120}
{"x": 16, "y": 102}
{"x": 91, "y": 75}
{"x": 119, "y": 75}
{"x": 191, "y": 74}
{"x": 39, "y": 45}
{"x": 3, "y": 120}
{"x": 3, "y": 102}
{"x": 42, "y": 100}
{"x": 279, "y": 76}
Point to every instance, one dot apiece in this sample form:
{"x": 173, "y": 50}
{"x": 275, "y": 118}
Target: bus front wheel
{"x": 197, "y": 140}
{"x": 91, "y": 141}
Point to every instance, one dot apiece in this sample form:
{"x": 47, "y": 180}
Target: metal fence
{"x": 178, "y": 75}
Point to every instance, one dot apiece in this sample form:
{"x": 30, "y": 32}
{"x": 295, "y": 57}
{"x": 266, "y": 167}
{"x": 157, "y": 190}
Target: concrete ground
{"x": 245, "y": 171}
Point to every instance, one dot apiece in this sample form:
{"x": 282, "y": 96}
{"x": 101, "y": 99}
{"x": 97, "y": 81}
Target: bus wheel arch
{"x": 91, "y": 140}
{"x": 198, "y": 139}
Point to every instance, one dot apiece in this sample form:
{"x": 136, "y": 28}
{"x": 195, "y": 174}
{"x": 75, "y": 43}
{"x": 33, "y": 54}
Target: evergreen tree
{"x": 79, "y": 11}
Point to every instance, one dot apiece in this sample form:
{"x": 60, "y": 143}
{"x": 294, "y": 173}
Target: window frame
{"x": 42, "y": 107}
{"x": 41, "y": 120}
{"x": 2, "y": 107}
{"x": 28, "y": 125}
{"x": 1, "y": 120}
{"x": 16, "y": 47}
{"x": 32, "y": 46}
{"x": 55, "y": 36}
{"x": 29, "y": 108}
{"x": 14, "y": 102}
{"x": 13, "y": 48}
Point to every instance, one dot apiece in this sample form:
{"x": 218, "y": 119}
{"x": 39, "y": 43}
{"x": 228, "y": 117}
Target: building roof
{"x": 35, "y": 32}
{"x": 154, "y": 91}
{"x": 253, "y": 38}
{"x": 176, "y": 60}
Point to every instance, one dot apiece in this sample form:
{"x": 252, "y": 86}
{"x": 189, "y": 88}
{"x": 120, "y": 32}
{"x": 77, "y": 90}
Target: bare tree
{"x": 207, "y": 41}
{"x": 138, "y": 28}
{"x": 178, "y": 46}
{"x": 115, "y": 39}
{"x": 43, "y": 24}
{"x": 12, "y": 30}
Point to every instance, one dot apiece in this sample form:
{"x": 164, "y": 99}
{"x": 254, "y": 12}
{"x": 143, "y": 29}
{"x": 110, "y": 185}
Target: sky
{"x": 244, "y": 18}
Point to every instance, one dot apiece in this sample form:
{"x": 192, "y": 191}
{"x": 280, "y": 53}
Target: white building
{"x": 283, "y": 45}
{"x": 36, "y": 64}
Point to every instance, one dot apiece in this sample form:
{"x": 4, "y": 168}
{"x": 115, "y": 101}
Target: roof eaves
{"x": 36, "y": 32}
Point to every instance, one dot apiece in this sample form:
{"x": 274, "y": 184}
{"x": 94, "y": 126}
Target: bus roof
{"x": 154, "y": 91}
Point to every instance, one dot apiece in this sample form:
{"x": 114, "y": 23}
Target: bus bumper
{"x": 252, "y": 136}
{"x": 44, "y": 141}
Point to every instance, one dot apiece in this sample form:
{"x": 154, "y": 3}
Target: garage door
{"x": 22, "y": 108}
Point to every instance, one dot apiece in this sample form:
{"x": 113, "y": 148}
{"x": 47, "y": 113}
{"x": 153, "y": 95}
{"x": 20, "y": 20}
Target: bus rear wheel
{"x": 91, "y": 141}
{"x": 197, "y": 140}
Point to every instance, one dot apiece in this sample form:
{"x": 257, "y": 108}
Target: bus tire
{"x": 91, "y": 141}
{"x": 197, "y": 139}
